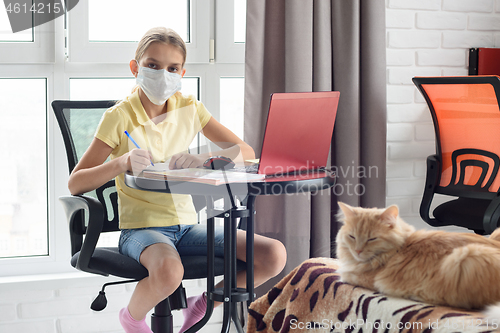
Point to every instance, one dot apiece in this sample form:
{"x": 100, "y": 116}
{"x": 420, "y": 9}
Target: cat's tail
{"x": 470, "y": 270}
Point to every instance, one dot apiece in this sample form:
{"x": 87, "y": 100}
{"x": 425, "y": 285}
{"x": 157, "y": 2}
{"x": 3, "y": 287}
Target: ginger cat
{"x": 377, "y": 250}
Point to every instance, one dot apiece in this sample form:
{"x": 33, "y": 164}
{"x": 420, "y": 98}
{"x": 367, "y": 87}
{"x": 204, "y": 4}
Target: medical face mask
{"x": 158, "y": 85}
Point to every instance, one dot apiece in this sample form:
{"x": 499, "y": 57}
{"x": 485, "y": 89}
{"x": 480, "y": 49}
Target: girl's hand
{"x": 184, "y": 161}
{"x": 137, "y": 160}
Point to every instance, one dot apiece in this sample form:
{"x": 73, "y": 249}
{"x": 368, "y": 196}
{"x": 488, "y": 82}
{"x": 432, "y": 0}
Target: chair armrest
{"x": 73, "y": 205}
{"x": 431, "y": 182}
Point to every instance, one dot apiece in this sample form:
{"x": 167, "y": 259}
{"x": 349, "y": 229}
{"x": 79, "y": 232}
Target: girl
{"x": 157, "y": 227}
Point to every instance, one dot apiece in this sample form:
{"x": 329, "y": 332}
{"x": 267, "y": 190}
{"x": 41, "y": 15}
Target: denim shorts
{"x": 188, "y": 240}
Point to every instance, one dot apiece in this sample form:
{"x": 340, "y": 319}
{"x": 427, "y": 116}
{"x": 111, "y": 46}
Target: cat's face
{"x": 367, "y": 233}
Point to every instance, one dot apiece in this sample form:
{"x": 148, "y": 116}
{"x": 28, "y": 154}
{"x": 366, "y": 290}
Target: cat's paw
{"x": 492, "y": 312}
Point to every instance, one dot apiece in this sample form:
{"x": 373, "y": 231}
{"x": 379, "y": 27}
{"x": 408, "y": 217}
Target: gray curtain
{"x": 319, "y": 45}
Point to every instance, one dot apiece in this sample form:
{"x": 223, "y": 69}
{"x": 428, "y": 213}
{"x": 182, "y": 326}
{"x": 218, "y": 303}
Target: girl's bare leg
{"x": 165, "y": 275}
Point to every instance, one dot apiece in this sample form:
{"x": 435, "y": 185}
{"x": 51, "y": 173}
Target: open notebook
{"x": 198, "y": 175}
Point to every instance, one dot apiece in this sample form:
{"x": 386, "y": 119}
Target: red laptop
{"x": 298, "y": 132}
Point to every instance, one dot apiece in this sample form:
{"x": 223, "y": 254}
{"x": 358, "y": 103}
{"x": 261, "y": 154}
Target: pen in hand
{"x": 135, "y": 143}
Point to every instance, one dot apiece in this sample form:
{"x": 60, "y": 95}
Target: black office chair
{"x": 466, "y": 116}
{"x": 78, "y": 121}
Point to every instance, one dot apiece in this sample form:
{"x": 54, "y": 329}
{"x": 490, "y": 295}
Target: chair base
{"x": 162, "y": 320}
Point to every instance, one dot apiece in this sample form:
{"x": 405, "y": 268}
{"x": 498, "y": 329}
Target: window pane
{"x": 94, "y": 89}
{"x": 240, "y": 20}
{"x": 86, "y": 89}
{"x": 6, "y": 34}
{"x": 232, "y": 91}
{"x": 128, "y": 20}
{"x": 23, "y": 143}
{"x": 190, "y": 86}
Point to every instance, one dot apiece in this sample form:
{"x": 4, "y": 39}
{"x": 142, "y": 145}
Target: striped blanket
{"x": 313, "y": 299}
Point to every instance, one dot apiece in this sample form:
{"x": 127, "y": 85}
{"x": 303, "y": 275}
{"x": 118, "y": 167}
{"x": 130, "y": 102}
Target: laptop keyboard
{"x": 253, "y": 168}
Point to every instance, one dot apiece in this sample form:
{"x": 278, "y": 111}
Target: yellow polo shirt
{"x": 165, "y": 136}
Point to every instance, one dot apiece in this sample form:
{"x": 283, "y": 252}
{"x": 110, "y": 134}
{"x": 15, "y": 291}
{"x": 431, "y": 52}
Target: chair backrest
{"x": 78, "y": 121}
{"x": 466, "y": 116}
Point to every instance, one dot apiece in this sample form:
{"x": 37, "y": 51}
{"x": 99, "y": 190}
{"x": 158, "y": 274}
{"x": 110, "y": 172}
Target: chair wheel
{"x": 100, "y": 302}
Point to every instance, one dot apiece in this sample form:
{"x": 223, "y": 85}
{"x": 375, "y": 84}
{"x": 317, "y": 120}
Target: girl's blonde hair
{"x": 161, "y": 35}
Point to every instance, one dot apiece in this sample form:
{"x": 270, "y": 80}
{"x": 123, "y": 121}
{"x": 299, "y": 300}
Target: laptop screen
{"x": 298, "y": 132}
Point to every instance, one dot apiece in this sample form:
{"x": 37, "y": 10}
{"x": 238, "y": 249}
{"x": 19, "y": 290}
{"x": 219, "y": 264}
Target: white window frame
{"x": 82, "y": 50}
{"x": 227, "y": 51}
{"x": 53, "y": 65}
{"x": 41, "y": 50}
{"x": 41, "y": 263}
{"x": 57, "y": 259}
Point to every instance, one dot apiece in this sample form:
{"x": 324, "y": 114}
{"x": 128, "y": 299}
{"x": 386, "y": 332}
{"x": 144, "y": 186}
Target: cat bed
{"x": 313, "y": 299}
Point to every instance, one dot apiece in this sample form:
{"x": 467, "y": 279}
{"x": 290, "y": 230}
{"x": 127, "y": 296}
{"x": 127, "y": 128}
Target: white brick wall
{"x": 425, "y": 38}
{"x": 61, "y": 304}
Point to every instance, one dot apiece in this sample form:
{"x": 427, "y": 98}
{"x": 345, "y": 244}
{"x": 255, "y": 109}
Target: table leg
{"x": 231, "y": 294}
{"x": 210, "y": 271}
{"x": 234, "y": 270}
{"x": 236, "y": 319}
{"x": 250, "y": 247}
{"x": 228, "y": 260}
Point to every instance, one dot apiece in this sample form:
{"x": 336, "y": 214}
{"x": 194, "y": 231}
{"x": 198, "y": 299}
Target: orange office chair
{"x": 466, "y": 116}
